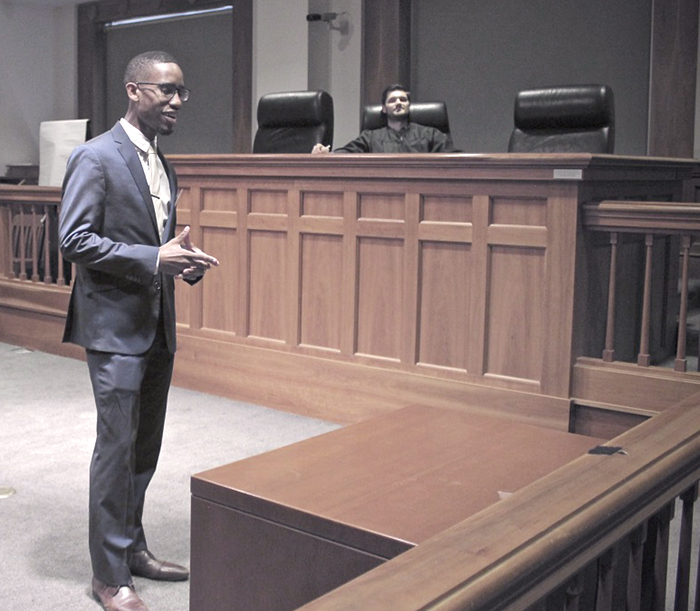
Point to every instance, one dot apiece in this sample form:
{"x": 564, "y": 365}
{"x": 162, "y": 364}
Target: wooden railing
{"x": 29, "y": 236}
{"x": 650, "y": 219}
{"x": 593, "y": 535}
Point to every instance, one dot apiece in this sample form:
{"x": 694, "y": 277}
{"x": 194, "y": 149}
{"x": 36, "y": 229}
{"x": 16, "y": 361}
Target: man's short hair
{"x": 142, "y": 63}
{"x": 394, "y": 87}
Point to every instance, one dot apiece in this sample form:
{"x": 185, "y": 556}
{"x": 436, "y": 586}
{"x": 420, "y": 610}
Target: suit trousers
{"x": 131, "y": 394}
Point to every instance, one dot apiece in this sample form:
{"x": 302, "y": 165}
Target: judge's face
{"x": 396, "y": 105}
{"x": 155, "y": 111}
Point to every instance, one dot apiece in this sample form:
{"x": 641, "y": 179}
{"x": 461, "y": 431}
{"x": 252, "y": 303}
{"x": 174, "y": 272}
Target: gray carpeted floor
{"x": 46, "y": 438}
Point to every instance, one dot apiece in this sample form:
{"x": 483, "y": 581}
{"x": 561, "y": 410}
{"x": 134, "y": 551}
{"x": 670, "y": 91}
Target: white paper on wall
{"x": 57, "y": 139}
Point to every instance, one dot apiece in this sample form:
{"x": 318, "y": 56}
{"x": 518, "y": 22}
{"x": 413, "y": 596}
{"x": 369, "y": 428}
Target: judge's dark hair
{"x": 140, "y": 65}
{"x": 389, "y": 88}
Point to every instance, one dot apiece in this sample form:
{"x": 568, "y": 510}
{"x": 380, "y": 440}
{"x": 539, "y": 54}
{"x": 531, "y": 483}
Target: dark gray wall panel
{"x": 477, "y": 55}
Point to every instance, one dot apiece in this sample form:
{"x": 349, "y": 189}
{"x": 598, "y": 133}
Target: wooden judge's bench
{"x": 352, "y": 285}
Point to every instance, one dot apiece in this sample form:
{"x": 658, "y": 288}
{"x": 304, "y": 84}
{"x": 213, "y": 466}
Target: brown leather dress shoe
{"x": 117, "y": 598}
{"x": 145, "y": 564}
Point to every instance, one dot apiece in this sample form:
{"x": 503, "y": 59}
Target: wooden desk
{"x": 277, "y": 530}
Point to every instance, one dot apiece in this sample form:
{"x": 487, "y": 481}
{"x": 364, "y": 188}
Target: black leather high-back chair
{"x": 432, "y": 114}
{"x": 571, "y": 119}
{"x": 293, "y": 122}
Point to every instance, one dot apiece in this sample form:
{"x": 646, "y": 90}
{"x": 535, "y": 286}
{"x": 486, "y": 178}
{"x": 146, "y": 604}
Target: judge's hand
{"x": 179, "y": 257}
{"x": 319, "y": 148}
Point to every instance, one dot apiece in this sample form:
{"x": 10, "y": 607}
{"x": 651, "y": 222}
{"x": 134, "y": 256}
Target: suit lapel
{"x": 128, "y": 152}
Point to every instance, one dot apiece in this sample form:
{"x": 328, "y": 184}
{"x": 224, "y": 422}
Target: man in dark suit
{"x": 117, "y": 225}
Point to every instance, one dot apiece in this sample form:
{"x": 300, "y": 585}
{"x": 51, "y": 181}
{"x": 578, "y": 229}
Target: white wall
{"x": 280, "y": 48}
{"x": 292, "y": 54}
{"x": 335, "y": 60}
{"x": 43, "y": 75}
{"x": 38, "y": 73}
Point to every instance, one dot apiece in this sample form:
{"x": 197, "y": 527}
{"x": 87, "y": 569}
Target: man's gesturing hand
{"x": 179, "y": 257}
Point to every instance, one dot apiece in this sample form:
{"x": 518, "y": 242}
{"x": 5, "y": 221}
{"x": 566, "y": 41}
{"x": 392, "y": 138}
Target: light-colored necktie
{"x": 154, "y": 178}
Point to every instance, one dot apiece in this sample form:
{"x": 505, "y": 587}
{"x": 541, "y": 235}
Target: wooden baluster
{"x": 35, "y": 245}
{"x": 688, "y": 498}
{"x": 681, "y": 361}
{"x": 556, "y": 600}
{"x": 47, "y": 250}
{"x": 634, "y": 570}
{"x": 22, "y": 245}
{"x": 573, "y": 591}
{"x": 609, "y": 352}
{"x": 655, "y": 564}
{"x": 10, "y": 268}
{"x": 643, "y": 358}
{"x": 606, "y": 572}
{"x": 60, "y": 274}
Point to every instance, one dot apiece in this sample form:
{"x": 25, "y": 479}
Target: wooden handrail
{"x": 30, "y": 194}
{"x": 665, "y": 218}
{"x": 514, "y": 553}
{"x": 649, "y": 218}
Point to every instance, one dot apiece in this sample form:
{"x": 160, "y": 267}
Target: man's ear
{"x": 132, "y": 90}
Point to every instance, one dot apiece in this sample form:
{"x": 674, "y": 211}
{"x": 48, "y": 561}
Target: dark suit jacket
{"x": 108, "y": 229}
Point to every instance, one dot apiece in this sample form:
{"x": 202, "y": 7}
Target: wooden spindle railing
{"x": 32, "y": 255}
{"x": 649, "y": 219}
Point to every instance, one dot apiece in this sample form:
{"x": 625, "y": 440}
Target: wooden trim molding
{"x": 386, "y": 47}
{"x": 673, "y": 73}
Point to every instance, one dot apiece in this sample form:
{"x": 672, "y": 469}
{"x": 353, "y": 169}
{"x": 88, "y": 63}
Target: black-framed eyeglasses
{"x": 168, "y": 90}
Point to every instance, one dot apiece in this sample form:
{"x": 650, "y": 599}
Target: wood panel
{"x": 444, "y": 328}
{"x": 515, "y": 325}
{"x": 379, "y": 297}
{"x": 321, "y": 291}
{"x": 268, "y": 270}
{"x": 268, "y": 581}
